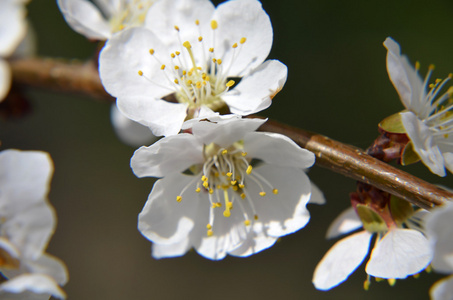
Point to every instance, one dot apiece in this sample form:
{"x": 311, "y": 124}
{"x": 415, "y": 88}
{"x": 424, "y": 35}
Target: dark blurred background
{"x": 337, "y": 85}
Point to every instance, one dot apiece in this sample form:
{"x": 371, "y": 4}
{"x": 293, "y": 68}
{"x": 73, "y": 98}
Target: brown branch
{"x": 349, "y": 161}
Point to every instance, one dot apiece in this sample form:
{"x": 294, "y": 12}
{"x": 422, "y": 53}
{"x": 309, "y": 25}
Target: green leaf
{"x": 409, "y": 155}
{"x": 371, "y": 220}
{"x": 393, "y": 124}
{"x": 401, "y": 210}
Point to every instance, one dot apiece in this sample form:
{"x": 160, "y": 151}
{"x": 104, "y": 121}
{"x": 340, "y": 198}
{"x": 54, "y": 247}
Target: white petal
{"x": 257, "y": 242}
{"x": 171, "y": 250}
{"x": 50, "y": 266}
{"x": 171, "y": 154}
{"x": 422, "y": 141}
{"x": 130, "y": 132}
{"x": 5, "y": 79}
{"x": 448, "y": 160}
{"x": 285, "y": 212}
{"x": 442, "y": 289}
{"x": 256, "y": 90}
{"x": 405, "y": 79}
{"x": 341, "y": 260}
{"x": 317, "y": 196}
{"x": 85, "y": 18}
{"x": 110, "y": 7}
{"x": 127, "y": 53}
{"x": 225, "y": 132}
{"x": 163, "y": 16}
{"x": 163, "y": 220}
{"x": 346, "y": 222}
{"x": 12, "y": 26}
{"x": 400, "y": 253}
{"x": 439, "y": 232}
{"x": 238, "y": 19}
{"x": 26, "y": 286}
{"x": 24, "y": 178}
{"x": 277, "y": 149}
{"x": 162, "y": 117}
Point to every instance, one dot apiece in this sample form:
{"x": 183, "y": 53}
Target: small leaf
{"x": 393, "y": 124}
{"x": 401, "y": 210}
{"x": 409, "y": 155}
{"x": 371, "y": 220}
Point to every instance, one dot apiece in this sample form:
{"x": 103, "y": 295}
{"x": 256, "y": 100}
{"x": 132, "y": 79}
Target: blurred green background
{"x": 337, "y": 85}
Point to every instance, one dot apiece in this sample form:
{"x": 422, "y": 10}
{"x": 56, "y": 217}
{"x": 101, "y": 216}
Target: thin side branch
{"x": 83, "y": 78}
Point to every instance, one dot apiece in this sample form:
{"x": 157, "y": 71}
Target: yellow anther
{"x": 234, "y": 188}
{"x": 204, "y": 178}
{"x": 262, "y": 194}
{"x": 366, "y": 285}
{"x": 391, "y": 281}
{"x": 244, "y": 154}
{"x": 205, "y": 184}
{"x": 241, "y": 185}
{"x": 219, "y": 61}
{"x": 226, "y": 213}
{"x": 211, "y": 50}
{"x": 204, "y": 82}
{"x": 446, "y": 135}
{"x": 450, "y": 75}
{"x": 224, "y": 151}
{"x": 176, "y": 67}
{"x": 247, "y": 222}
{"x": 229, "y": 205}
{"x": 431, "y": 67}
{"x": 200, "y": 68}
{"x": 162, "y": 67}
{"x": 197, "y": 22}
{"x": 417, "y": 65}
{"x": 176, "y": 81}
{"x": 121, "y": 27}
{"x": 233, "y": 182}
{"x": 209, "y": 226}
{"x": 214, "y": 24}
{"x": 230, "y": 83}
{"x": 199, "y": 84}
{"x": 172, "y": 55}
{"x": 242, "y": 41}
{"x": 177, "y": 53}
{"x": 214, "y": 60}
{"x": 189, "y": 82}
{"x": 379, "y": 279}
{"x": 218, "y": 204}
{"x": 275, "y": 191}
{"x": 178, "y": 198}
{"x": 428, "y": 269}
{"x": 208, "y": 78}
{"x": 229, "y": 174}
{"x": 210, "y": 233}
{"x": 255, "y": 217}
{"x": 249, "y": 170}
{"x": 416, "y": 275}
{"x": 187, "y": 44}
{"x": 198, "y": 190}
{"x": 200, "y": 38}
{"x": 140, "y": 72}
{"x": 211, "y": 191}
{"x": 216, "y": 174}
{"x": 243, "y": 195}
{"x": 184, "y": 72}
{"x": 235, "y": 45}
{"x": 151, "y": 51}
{"x": 190, "y": 73}
{"x": 177, "y": 28}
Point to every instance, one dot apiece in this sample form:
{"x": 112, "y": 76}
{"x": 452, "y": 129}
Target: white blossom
{"x": 13, "y": 27}
{"x": 440, "y": 232}
{"x": 194, "y": 53}
{"x": 428, "y": 120}
{"x": 100, "y": 21}
{"x": 27, "y": 221}
{"x": 397, "y": 253}
{"x": 214, "y": 197}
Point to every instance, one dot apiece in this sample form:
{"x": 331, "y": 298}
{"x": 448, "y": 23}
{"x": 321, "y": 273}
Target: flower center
{"x": 222, "y": 177}
{"x": 197, "y": 76}
{"x": 132, "y": 14}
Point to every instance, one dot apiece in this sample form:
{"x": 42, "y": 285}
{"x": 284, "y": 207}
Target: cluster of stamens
{"x": 132, "y": 14}
{"x": 198, "y": 84}
{"x": 222, "y": 178}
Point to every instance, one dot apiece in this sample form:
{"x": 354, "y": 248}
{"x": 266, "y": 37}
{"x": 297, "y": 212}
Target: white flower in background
{"x": 398, "y": 252}
{"x": 109, "y": 16}
{"x": 440, "y": 232}
{"x": 428, "y": 120}
{"x": 13, "y": 28}
{"x": 27, "y": 222}
{"x": 194, "y": 53}
{"x": 226, "y": 189}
